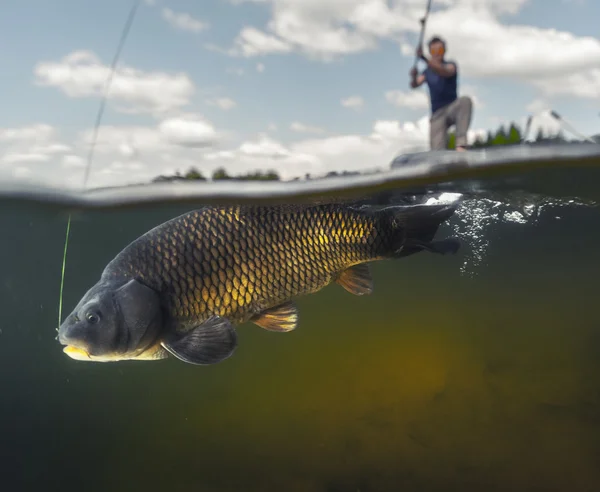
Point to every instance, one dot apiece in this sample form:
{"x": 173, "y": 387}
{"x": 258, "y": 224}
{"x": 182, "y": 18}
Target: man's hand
{"x": 413, "y": 72}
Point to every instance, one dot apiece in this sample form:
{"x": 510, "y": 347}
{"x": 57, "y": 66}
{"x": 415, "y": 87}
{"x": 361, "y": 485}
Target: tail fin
{"x": 418, "y": 225}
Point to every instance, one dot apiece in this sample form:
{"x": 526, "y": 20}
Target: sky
{"x": 297, "y": 86}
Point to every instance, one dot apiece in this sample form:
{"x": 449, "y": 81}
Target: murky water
{"x": 479, "y": 371}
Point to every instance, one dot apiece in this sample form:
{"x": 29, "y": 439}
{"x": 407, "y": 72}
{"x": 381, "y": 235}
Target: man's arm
{"x": 416, "y": 80}
{"x": 443, "y": 69}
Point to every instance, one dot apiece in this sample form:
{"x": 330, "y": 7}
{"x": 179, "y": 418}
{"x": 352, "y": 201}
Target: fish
{"x": 182, "y": 288}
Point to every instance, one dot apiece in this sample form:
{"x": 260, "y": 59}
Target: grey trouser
{"x": 456, "y": 113}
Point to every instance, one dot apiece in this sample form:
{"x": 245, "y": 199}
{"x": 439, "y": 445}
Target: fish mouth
{"x": 76, "y": 353}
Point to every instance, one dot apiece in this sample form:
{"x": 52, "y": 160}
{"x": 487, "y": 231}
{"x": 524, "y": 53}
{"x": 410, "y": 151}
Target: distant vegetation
{"x": 219, "y": 174}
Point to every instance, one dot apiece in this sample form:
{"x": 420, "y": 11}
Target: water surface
{"x": 479, "y": 371}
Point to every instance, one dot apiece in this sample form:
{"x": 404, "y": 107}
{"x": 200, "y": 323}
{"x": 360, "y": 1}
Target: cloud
{"x": 30, "y": 144}
{"x": 318, "y": 156}
{"x": 224, "y": 103}
{"x": 298, "y": 127}
{"x": 526, "y": 52}
{"x": 169, "y": 136}
{"x": 585, "y": 84}
{"x": 129, "y": 154}
{"x": 416, "y": 99}
{"x": 252, "y": 42}
{"x": 264, "y": 147}
{"x": 538, "y": 105}
{"x": 183, "y": 21}
{"x": 189, "y": 132}
{"x": 21, "y": 172}
{"x": 81, "y": 74}
{"x": 480, "y": 35}
{"x": 260, "y": 67}
{"x": 39, "y": 132}
{"x": 353, "y": 102}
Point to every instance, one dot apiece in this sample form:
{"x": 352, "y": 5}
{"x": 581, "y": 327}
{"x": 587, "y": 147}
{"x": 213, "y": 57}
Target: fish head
{"x": 114, "y": 321}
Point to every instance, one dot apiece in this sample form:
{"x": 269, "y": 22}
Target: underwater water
{"x": 479, "y": 371}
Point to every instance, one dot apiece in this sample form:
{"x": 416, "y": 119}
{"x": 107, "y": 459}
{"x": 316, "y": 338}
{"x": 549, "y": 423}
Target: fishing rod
{"x": 527, "y": 127}
{"x": 423, "y": 21}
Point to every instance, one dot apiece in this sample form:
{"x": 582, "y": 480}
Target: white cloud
{"x": 264, "y": 147}
{"x": 472, "y": 92}
{"x": 30, "y": 144}
{"x": 81, "y": 74}
{"x": 169, "y": 136}
{"x": 353, "y": 102}
{"x": 183, "y": 21}
{"x": 224, "y": 103}
{"x": 296, "y": 126}
{"x": 73, "y": 161}
{"x": 189, "y": 132}
{"x": 537, "y": 106}
{"x": 21, "y": 172}
{"x": 328, "y": 29}
{"x": 252, "y": 42}
{"x": 125, "y": 154}
{"x": 527, "y": 52}
{"x": 37, "y": 132}
{"x": 416, "y": 99}
{"x": 585, "y": 84}
{"x": 260, "y": 67}
{"x": 23, "y": 158}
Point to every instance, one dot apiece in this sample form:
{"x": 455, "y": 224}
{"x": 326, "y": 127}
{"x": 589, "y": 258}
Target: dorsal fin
{"x": 357, "y": 280}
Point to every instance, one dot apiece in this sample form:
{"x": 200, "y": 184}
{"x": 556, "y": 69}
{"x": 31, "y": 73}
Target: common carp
{"x": 181, "y": 287}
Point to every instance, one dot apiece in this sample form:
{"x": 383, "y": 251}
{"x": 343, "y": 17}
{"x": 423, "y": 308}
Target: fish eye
{"x": 92, "y": 317}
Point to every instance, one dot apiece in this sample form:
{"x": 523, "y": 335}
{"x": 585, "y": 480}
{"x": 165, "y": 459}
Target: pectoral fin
{"x": 443, "y": 247}
{"x": 208, "y": 343}
{"x": 357, "y": 280}
{"x": 282, "y": 318}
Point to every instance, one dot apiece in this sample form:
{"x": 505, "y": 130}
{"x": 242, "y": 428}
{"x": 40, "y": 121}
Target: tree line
{"x": 194, "y": 174}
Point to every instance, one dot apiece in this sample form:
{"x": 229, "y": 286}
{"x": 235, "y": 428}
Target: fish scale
{"x": 239, "y": 261}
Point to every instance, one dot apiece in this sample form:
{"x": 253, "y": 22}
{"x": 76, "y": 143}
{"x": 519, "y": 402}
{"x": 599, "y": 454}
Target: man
{"x": 446, "y": 108}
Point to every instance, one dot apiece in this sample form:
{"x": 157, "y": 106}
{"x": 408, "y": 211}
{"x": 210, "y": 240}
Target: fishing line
{"x": 560, "y": 120}
{"x": 124, "y": 34}
{"x": 574, "y": 131}
{"x": 62, "y": 277}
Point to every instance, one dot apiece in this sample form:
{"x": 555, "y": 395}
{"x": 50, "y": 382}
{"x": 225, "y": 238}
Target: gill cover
{"x": 138, "y": 308}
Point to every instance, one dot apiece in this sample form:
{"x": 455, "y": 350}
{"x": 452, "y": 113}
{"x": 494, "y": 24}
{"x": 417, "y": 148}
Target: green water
{"x": 474, "y": 372}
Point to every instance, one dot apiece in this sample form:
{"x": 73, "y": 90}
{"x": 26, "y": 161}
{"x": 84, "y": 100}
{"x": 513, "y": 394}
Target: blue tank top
{"x": 442, "y": 90}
